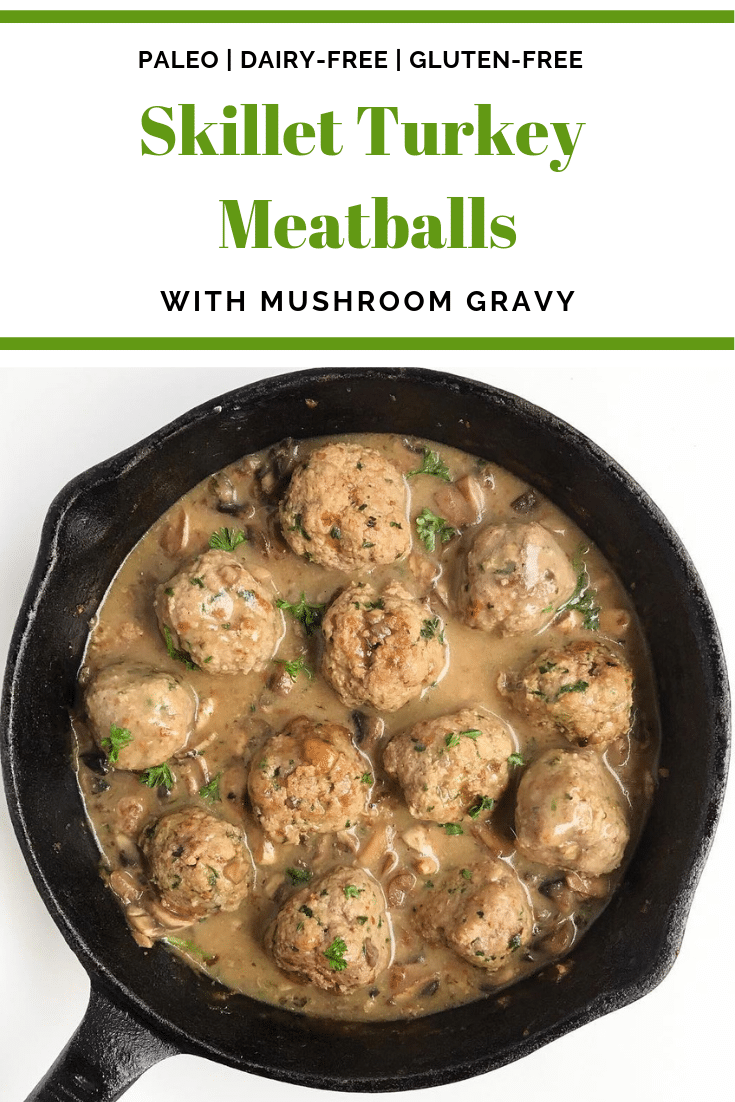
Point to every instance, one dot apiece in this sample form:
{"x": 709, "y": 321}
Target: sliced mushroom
{"x": 175, "y": 536}
{"x": 399, "y": 887}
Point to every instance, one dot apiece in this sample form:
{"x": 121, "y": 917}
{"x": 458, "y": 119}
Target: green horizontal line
{"x": 370, "y": 344}
{"x": 368, "y": 16}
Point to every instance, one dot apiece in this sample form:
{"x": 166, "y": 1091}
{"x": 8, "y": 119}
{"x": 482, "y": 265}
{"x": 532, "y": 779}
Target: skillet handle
{"x": 110, "y": 1050}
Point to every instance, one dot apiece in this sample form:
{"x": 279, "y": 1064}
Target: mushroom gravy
{"x": 236, "y": 713}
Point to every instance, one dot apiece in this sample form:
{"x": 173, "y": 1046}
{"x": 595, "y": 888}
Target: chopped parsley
{"x": 367, "y": 543}
{"x": 297, "y": 526}
{"x": 362, "y": 919}
{"x": 473, "y": 733}
{"x": 310, "y": 616}
{"x": 187, "y": 947}
{"x": 294, "y": 668}
{"x": 514, "y": 943}
{"x": 196, "y": 581}
{"x": 366, "y": 778}
{"x": 211, "y": 791}
{"x": 453, "y": 828}
{"x": 451, "y": 740}
{"x": 430, "y": 629}
{"x": 516, "y": 759}
{"x": 299, "y": 876}
{"x": 429, "y": 526}
{"x": 306, "y": 911}
{"x": 158, "y": 776}
{"x": 380, "y": 603}
{"x": 177, "y": 655}
{"x": 226, "y": 539}
{"x": 577, "y": 687}
{"x": 466, "y": 874}
{"x": 487, "y": 803}
{"x": 115, "y": 741}
{"x": 432, "y": 463}
{"x": 583, "y": 598}
{"x": 335, "y": 954}
{"x": 351, "y": 892}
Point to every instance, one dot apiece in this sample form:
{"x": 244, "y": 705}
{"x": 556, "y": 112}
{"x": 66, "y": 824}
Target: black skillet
{"x": 145, "y": 1006}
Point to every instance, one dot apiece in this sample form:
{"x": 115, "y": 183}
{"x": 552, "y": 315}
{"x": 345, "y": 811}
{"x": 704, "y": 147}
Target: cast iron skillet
{"x": 145, "y": 1006}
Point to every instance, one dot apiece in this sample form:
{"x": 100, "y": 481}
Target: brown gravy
{"x": 238, "y": 712}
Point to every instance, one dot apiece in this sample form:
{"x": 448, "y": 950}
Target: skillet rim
{"x": 71, "y": 496}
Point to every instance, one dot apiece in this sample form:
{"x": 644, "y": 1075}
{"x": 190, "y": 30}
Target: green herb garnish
{"x": 188, "y": 947}
{"x": 577, "y": 687}
{"x": 514, "y": 943}
{"x": 177, "y": 655}
{"x": 362, "y": 919}
{"x": 487, "y": 803}
{"x": 466, "y": 874}
{"x": 114, "y": 743}
{"x": 583, "y": 598}
{"x": 429, "y": 526}
{"x": 299, "y": 876}
{"x": 473, "y": 733}
{"x": 226, "y": 539}
{"x": 516, "y": 759}
{"x": 297, "y": 526}
{"x": 351, "y": 892}
{"x": 196, "y": 581}
{"x": 158, "y": 776}
{"x": 430, "y": 628}
{"x": 432, "y": 463}
{"x": 366, "y": 778}
{"x": 310, "y": 616}
{"x": 335, "y": 954}
{"x": 451, "y": 740}
{"x": 295, "y": 667}
{"x": 211, "y": 791}
{"x": 453, "y": 828}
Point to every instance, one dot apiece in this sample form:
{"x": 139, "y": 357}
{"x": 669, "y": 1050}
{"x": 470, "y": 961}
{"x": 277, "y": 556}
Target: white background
{"x": 93, "y": 230}
{"x": 666, "y": 418}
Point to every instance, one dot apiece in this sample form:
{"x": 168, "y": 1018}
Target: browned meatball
{"x": 517, "y": 577}
{"x": 381, "y": 650}
{"x": 334, "y": 933}
{"x": 308, "y": 780}
{"x": 139, "y": 715}
{"x": 444, "y": 765}
{"x": 218, "y": 613}
{"x": 346, "y": 508}
{"x": 569, "y": 813}
{"x": 481, "y": 912}
{"x": 198, "y": 863}
{"x": 584, "y": 690}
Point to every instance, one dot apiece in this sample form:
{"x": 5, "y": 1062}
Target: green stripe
{"x": 369, "y": 344}
{"x": 369, "y": 16}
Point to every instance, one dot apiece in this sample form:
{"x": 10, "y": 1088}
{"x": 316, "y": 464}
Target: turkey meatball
{"x": 346, "y": 508}
{"x": 584, "y": 690}
{"x": 517, "y": 577}
{"x": 481, "y": 912}
{"x": 218, "y": 613}
{"x": 333, "y": 933}
{"x": 444, "y": 765}
{"x": 569, "y": 813}
{"x": 308, "y": 780}
{"x": 138, "y": 715}
{"x": 198, "y": 863}
{"x": 381, "y": 650}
